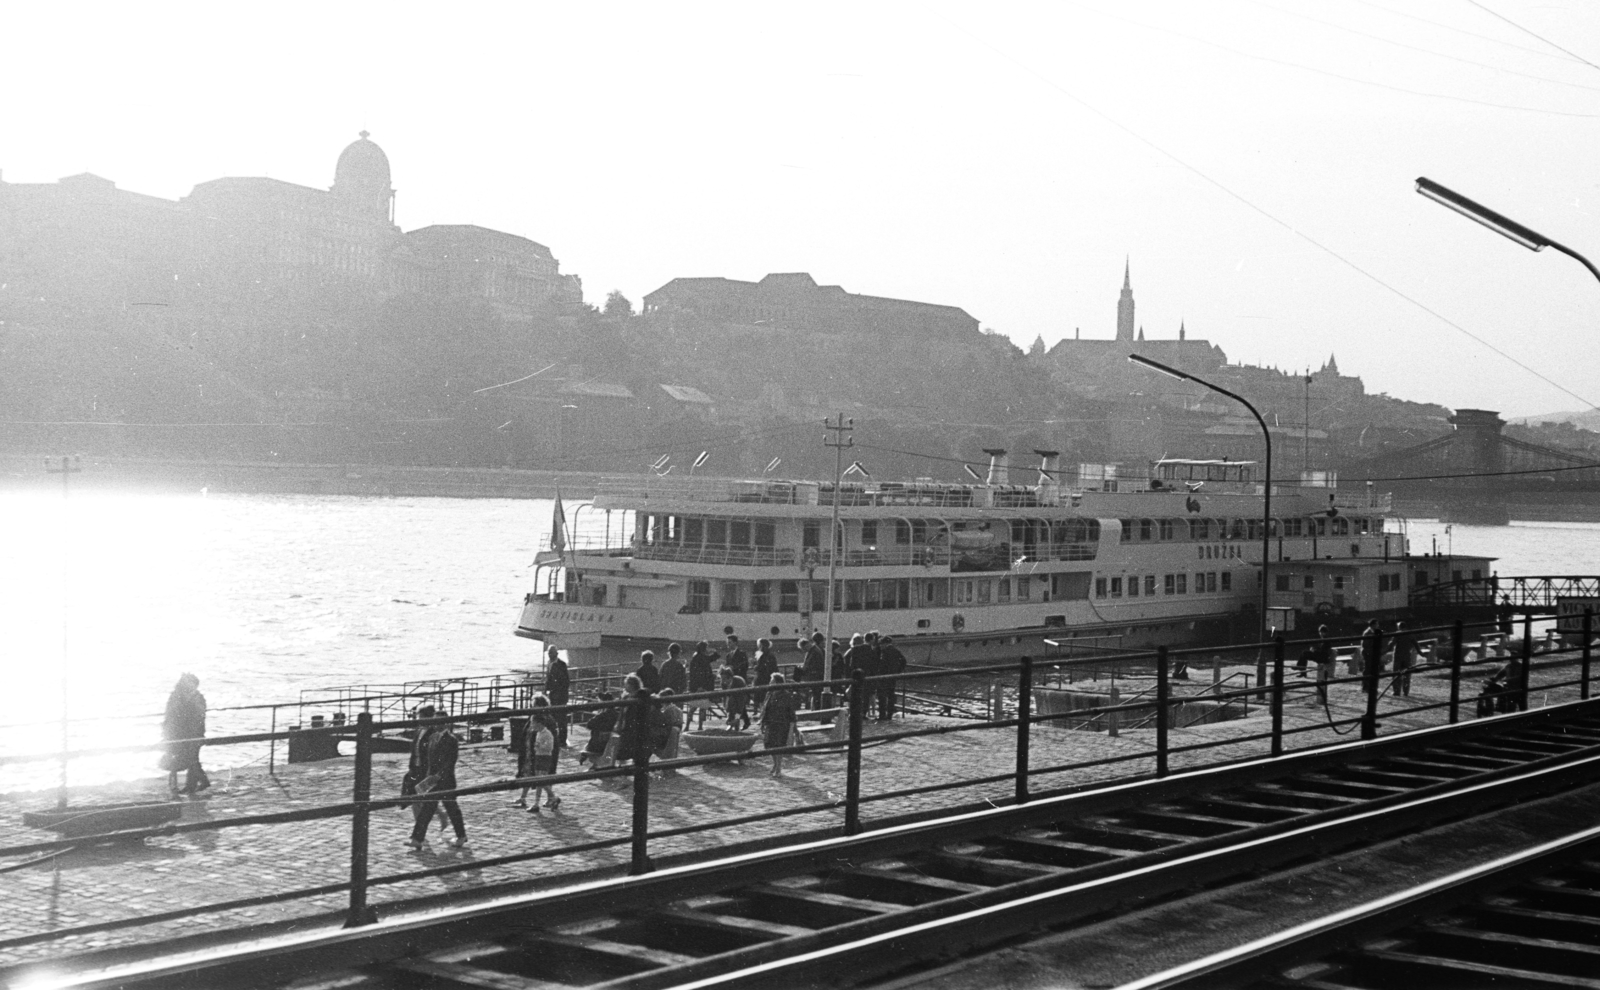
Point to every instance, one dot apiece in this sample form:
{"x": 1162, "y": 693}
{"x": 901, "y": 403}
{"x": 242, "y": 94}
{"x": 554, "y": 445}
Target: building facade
{"x": 794, "y": 300}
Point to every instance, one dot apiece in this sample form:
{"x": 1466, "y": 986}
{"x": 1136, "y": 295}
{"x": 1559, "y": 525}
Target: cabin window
{"x": 1227, "y": 580}
{"x": 1280, "y": 583}
{"x": 1254, "y": 530}
{"x": 732, "y": 596}
{"x": 1322, "y": 525}
{"x": 855, "y": 594}
{"x": 1116, "y": 587}
{"x": 1169, "y": 584}
{"x": 1293, "y": 527}
{"x": 935, "y": 592}
{"x": 1199, "y": 529}
{"x": 869, "y": 533}
{"x": 919, "y": 531}
{"x": 902, "y": 532}
{"x": 811, "y": 534}
{"x": 1341, "y": 526}
{"x": 1133, "y": 586}
{"x": 983, "y": 592}
{"x": 1149, "y": 585}
{"x": 1099, "y": 587}
{"x": 1238, "y": 529}
{"x": 1199, "y": 582}
{"x": 1023, "y": 588}
{"x": 1127, "y": 530}
{"x": 788, "y": 596}
{"x": 1146, "y": 527}
{"x": 1311, "y": 581}
{"x": 1477, "y": 575}
{"x": 1002, "y": 591}
{"x": 1272, "y": 527}
{"x": 1338, "y": 582}
{"x": 739, "y": 533}
{"x": 1211, "y": 581}
{"x": 1166, "y": 529}
{"x": 766, "y": 535}
{"x": 1183, "y": 584}
{"x": 717, "y": 532}
{"x": 1455, "y": 575}
{"x": 761, "y": 596}
{"x": 694, "y": 531}
{"x": 1073, "y": 584}
{"x": 699, "y": 596}
{"x": 1222, "y": 529}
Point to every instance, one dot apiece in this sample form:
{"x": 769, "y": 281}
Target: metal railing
{"x": 1145, "y": 751}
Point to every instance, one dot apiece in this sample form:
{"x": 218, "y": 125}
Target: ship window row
{"x": 1149, "y": 585}
{"x": 1149, "y": 530}
{"x": 720, "y": 531}
{"x": 870, "y": 595}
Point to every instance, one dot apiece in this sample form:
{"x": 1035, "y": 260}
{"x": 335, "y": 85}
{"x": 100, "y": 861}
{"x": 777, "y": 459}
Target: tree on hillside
{"x": 617, "y": 304}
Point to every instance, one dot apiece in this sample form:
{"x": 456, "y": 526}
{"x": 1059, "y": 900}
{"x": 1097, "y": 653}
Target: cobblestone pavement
{"x": 161, "y": 874}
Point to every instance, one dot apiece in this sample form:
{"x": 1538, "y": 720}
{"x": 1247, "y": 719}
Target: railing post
{"x": 1277, "y": 695}
{"x": 1527, "y": 662}
{"x": 1024, "y": 720}
{"x": 1588, "y": 636}
{"x": 1455, "y": 672}
{"x": 360, "y": 913}
{"x": 852, "y": 773}
{"x": 1369, "y": 682}
{"x": 641, "y": 787}
{"x": 1261, "y": 672}
{"x": 1161, "y": 711}
{"x": 272, "y": 746}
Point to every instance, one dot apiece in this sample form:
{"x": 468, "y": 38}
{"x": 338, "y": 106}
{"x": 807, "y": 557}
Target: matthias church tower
{"x": 1125, "y": 308}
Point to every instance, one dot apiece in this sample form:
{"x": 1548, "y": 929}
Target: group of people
{"x": 1402, "y": 654}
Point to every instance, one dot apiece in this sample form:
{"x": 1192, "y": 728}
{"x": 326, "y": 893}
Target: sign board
{"x": 1281, "y": 618}
{"x": 1569, "y": 614}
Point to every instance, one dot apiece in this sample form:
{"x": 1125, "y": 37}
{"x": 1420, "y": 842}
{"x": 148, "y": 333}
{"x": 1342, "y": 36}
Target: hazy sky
{"x": 1004, "y": 158}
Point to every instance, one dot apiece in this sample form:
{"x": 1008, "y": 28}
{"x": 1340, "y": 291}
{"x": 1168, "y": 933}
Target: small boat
{"x": 96, "y": 819}
{"x": 716, "y": 742}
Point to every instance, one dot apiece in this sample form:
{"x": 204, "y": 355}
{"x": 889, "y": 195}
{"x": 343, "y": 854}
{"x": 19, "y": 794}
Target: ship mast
{"x": 838, "y": 440}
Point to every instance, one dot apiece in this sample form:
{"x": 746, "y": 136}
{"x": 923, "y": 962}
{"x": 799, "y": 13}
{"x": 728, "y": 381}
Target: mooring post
{"x": 1024, "y": 719}
{"x": 1261, "y": 672}
{"x": 360, "y": 913}
{"x": 852, "y": 772}
{"x": 1369, "y": 678}
{"x": 1527, "y": 662}
{"x": 1277, "y": 695}
{"x": 1161, "y": 711}
{"x": 641, "y": 787}
{"x": 1458, "y": 642}
{"x": 1113, "y": 699}
{"x": 1588, "y": 636}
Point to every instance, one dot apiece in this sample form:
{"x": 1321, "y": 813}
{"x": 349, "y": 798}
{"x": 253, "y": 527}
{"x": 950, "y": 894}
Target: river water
{"x": 264, "y": 596}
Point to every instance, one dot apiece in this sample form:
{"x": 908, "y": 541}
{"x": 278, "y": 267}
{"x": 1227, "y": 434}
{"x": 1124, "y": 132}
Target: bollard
{"x": 1527, "y": 662}
{"x": 1113, "y": 698}
{"x": 1277, "y": 695}
{"x": 852, "y": 781}
{"x": 641, "y": 789}
{"x": 1162, "y": 687}
{"x": 1455, "y": 673}
{"x": 1588, "y": 638}
{"x": 1369, "y": 682}
{"x": 1024, "y": 719}
{"x": 360, "y": 913}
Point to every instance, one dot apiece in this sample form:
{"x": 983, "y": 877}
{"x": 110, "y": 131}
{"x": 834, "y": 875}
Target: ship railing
{"x": 1018, "y": 705}
{"x": 998, "y": 557}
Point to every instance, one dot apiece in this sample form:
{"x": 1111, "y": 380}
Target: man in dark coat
{"x": 185, "y": 720}
{"x": 861, "y": 656}
{"x": 1324, "y": 656}
{"x": 766, "y": 666}
{"x": 442, "y": 751}
{"x": 557, "y": 687}
{"x": 736, "y": 660}
{"x": 418, "y": 767}
{"x": 647, "y": 673}
{"x": 702, "y": 678}
{"x": 674, "y": 674}
{"x": 890, "y": 661}
{"x": 811, "y": 670}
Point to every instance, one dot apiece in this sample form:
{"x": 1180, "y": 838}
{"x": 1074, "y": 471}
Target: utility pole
{"x": 1305, "y": 431}
{"x": 67, "y": 468}
{"x": 838, "y": 438}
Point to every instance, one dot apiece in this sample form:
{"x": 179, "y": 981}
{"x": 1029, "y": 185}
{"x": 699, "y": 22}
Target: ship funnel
{"x": 1049, "y": 468}
{"x": 999, "y": 466}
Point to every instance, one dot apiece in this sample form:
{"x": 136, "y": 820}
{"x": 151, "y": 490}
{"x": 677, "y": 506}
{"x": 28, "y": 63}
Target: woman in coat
{"x": 183, "y": 727}
{"x": 777, "y": 720}
{"x": 538, "y": 756}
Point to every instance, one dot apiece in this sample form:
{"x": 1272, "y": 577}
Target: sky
{"x": 1253, "y": 161}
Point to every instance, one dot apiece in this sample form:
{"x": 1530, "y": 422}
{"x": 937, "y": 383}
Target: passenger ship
{"x": 959, "y": 574}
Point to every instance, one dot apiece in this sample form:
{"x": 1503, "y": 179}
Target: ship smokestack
{"x": 999, "y": 466}
{"x": 1049, "y": 469}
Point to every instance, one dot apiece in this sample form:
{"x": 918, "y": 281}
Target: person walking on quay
{"x": 738, "y": 704}
{"x": 649, "y": 675}
{"x": 633, "y": 726}
{"x": 702, "y": 678}
{"x": 418, "y": 767}
{"x": 539, "y": 756}
{"x": 183, "y": 728}
{"x": 811, "y": 670}
{"x": 601, "y": 728}
{"x": 766, "y": 667}
{"x": 674, "y": 675}
{"x": 1324, "y": 655}
{"x": 1403, "y": 652}
{"x": 557, "y": 687}
{"x": 736, "y": 660}
{"x": 442, "y": 750}
{"x": 777, "y": 721}
{"x": 890, "y": 661}
{"x": 862, "y": 656}
{"x": 670, "y": 719}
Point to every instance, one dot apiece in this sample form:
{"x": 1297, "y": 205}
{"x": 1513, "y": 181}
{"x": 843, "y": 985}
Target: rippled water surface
{"x": 263, "y": 596}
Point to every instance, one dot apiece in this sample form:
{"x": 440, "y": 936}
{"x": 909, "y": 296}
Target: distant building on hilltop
{"x": 258, "y": 234}
{"x": 794, "y": 300}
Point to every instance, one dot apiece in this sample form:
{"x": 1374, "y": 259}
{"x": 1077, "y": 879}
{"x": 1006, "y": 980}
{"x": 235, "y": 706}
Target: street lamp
{"x": 1266, "y": 504}
{"x": 1502, "y": 225}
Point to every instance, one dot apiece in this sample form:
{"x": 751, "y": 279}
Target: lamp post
{"x": 1502, "y": 225}
{"x": 1266, "y": 502}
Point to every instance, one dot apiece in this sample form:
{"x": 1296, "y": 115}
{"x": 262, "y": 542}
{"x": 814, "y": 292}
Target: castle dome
{"x": 362, "y": 177}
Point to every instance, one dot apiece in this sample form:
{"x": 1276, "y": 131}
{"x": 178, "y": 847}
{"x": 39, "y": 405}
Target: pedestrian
{"x": 648, "y": 674}
{"x": 702, "y": 679}
{"x": 418, "y": 767}
{"x": 777, "y": 721}
{"x": 812, "y": 669}
{"x": 862, "y": 656}
{"x": 1323, "y": 651}
{"x": 557, "y": 687}
{"x": 736, "y": 660}
{"x": 674, "y": 675}
{"x": 1403, "y": 652}
{"x": 738, "y": 704}
{"x": 442, "y": 751}
{"x": 539, "y": 756}
{"x": 671, "y": 720}
{"x": 183, "y": 728}
{"x": 633, "y": 731}
{"x": 766, "y": 667}
{"x": 1307, "y": 656}
{"x": 890, "y": 662}
{"x": 1371, "y": 647}
{"x": 601, "y": 727}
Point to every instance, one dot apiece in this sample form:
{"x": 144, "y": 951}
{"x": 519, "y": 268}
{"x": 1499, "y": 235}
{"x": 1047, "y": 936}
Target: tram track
{"x": 852, "y": 909}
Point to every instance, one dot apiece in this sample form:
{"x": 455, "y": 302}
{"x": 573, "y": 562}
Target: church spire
{"x": 1182, "y": 332}
{"x": 1125, "y": 305}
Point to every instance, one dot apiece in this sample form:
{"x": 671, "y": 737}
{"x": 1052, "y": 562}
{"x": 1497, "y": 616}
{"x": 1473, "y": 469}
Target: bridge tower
{"x": 1477, "y": 450}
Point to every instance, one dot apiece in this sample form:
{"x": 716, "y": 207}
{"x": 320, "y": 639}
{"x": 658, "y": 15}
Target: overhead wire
{"x": 1531, "y": 34}
{"x": 1470, "y": 34}
{"x": 1286, "y": 225}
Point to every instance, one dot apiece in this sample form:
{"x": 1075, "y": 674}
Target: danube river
{"x": 265, "y": 596}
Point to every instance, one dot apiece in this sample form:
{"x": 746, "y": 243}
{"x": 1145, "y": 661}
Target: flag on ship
{"x": 558, "y": 526}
